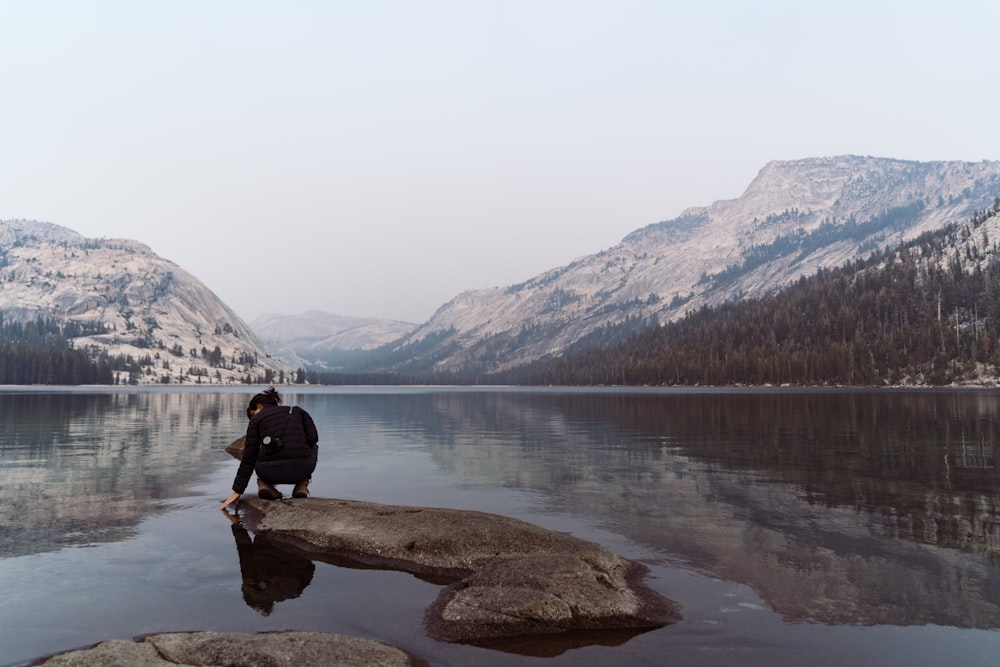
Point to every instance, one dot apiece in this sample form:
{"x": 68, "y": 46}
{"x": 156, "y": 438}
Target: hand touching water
{"x": 235, "y": 498}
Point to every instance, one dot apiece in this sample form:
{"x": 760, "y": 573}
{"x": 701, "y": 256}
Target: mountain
{"x": 160, "y": 322}
{"x": 324, "y": 340}
{"x": 794, "y": 218}
{"x": 926, "y": 312}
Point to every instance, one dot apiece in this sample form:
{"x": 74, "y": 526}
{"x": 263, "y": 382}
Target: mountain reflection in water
{"x": 850, "y": 509}
{"x": 79, "y": 468}
{"x": 824, "y": 502}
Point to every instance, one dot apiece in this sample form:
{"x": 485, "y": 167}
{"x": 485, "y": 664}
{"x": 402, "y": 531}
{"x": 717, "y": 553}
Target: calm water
{"x": 813, "y": 527}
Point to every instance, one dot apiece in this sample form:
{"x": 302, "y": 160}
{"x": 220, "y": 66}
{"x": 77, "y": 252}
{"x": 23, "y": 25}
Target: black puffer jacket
{"x": 292, "y": 462}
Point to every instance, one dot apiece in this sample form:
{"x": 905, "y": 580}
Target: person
{"x": 281, "y": 447}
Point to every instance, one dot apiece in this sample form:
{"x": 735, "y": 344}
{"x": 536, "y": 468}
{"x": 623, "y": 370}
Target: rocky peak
{"x": 794, "y": 218}
{"x": 132, "y": 302}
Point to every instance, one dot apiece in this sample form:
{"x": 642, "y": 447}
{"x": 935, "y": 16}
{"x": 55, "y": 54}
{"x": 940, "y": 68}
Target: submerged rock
{"x": 506, "y": 577}
{"x": 234, "y": 648}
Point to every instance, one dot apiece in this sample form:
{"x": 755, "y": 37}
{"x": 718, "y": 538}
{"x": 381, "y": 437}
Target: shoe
{"x": 266, "y": 491}
{"x": 301, "y": 489}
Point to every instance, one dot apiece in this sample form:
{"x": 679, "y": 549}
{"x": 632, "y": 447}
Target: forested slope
{"x": 41, "y": 352}
{"x": 927, "y": 312}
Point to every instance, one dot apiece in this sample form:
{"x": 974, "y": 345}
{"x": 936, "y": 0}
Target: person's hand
{"x": 235, "y": 498}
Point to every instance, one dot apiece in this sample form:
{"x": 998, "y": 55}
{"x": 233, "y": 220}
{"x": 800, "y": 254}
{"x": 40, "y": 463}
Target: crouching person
{"x": 281, "y": 447}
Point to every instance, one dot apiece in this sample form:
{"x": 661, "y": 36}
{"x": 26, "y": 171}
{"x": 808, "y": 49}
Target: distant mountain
{"x": 323, "y": 340}
{"x": 161, "y": 322}
{"x": 795, "y": 218}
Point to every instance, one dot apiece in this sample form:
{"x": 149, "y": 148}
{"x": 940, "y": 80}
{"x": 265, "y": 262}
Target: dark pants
{"x": 287, "y": 471}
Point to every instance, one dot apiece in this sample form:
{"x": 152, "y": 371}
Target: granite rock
{"x": 302, "y": 649}
{"x": 505, "y": 577}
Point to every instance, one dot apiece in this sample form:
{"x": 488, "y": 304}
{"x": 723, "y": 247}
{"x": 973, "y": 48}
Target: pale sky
{"x": 378, "y": 158}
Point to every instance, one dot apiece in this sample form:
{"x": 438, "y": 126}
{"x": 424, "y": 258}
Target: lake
{"x": 819, "y": 527}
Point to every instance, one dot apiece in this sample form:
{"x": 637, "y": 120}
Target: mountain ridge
{"x": 661, "y": 271}
{"x": 320, "y": 339}
{"x": 917, "y": 314}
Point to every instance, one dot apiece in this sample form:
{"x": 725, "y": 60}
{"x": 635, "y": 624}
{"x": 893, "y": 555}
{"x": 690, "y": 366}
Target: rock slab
{"x": 225, "y": 649}
{"x": 508, "y": 578}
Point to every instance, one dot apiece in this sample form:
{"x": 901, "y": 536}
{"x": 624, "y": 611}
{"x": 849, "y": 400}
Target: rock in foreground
{"x": 509, "y": 578}
{"x": 302, "y": 649}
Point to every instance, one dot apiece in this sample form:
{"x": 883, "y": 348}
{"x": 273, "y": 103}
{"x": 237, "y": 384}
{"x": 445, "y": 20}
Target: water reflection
{"x": 271, "y": 574}
{"x": 838, "y": 507}
{"x": 923, "y": 465}
{"x": 79, "y": 468}
{"x": 844, "y": 508}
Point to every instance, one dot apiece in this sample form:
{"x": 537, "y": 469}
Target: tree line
{"x": 40, "y": 351}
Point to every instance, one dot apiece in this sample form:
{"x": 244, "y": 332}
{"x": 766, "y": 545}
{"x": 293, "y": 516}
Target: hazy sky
{"x": 378, "y": 158}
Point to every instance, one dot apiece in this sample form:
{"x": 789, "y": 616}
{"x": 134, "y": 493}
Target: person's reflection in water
{"x": 270, "y": 574}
